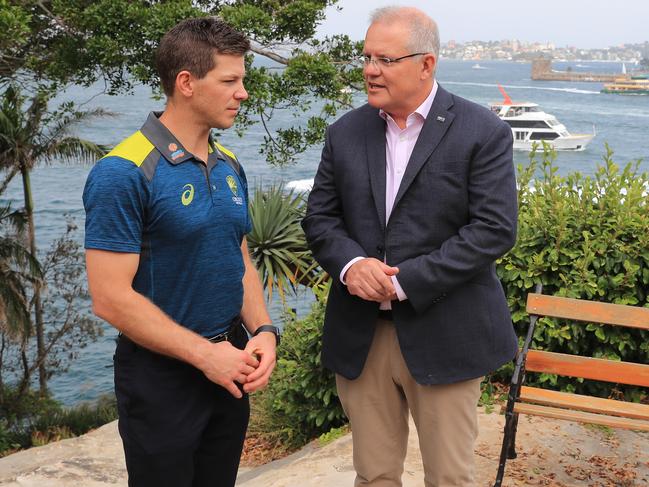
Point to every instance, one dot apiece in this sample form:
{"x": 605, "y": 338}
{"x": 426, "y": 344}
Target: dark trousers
{"x": 179, "y": 429}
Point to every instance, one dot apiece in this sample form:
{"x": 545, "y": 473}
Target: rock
{"x": 551, "y": 452}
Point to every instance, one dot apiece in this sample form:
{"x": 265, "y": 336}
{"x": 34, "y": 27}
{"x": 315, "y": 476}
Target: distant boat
{"x": 300, "y": 185}
{"x": 477, "y": 66}
{"x": 623, "y": 68}
{"x": 637, "y": 85}
{"x": 531, "y": 125}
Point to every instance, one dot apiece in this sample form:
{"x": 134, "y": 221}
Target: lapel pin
{"x": 441, "y": 119}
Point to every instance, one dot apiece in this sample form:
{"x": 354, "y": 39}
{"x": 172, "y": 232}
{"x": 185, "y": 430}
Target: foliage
{"x": 18, "y": 268}
{"x": 300, "y": 402}
{"x": 31, "y": 420}
{"x": 69, "y": 325}
{"x": 581, "y": 237}
{"x": 333, "y": 434}
{"x": 79, "y": 419}
{"x": 29, "y": 135}
{"x": 487, "y": 395}
{"x": 54, "y": 43}
{"x": 277, "y": 242}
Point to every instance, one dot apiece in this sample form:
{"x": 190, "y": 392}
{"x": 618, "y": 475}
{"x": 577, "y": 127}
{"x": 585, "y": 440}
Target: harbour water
{"x": 620, "y": 121}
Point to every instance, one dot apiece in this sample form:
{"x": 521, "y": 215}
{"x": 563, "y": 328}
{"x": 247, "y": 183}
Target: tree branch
{"x": 269, "y": 54}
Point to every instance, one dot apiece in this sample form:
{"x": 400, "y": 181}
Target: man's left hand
{"x": 263, "y": 347}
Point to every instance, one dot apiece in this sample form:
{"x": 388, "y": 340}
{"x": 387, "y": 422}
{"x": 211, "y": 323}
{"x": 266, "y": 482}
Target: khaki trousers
{"x": 377, "y": 405}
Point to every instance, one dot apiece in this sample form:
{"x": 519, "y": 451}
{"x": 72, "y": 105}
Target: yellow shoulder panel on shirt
{"x": 226, "y": 151}
{"x": 135, "y": 149}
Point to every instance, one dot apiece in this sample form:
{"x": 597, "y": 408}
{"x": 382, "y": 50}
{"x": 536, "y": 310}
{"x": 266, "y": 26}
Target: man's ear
{"x": 428, "y": 70}
{"x": 184, "y": 85}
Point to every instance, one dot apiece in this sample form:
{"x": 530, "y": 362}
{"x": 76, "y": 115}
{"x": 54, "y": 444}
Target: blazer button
{"x": 380, "y": 249}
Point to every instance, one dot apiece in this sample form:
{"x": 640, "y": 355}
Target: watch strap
{"x": 268, "y": 328}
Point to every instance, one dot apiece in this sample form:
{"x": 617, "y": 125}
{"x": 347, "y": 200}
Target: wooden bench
{"x": 574, "y": 407}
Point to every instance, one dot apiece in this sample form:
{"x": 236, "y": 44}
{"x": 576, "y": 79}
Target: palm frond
{"x": 17, "y": 268}
{"x": 14, "y": 255}
{"x": 14, "y": 308}
{"x": 11, "y": 172}
{"x": 73, "y": 149}
{"x": 63, "y": 121}
{"x": 277, "y": 243}
{"x": 12, "y": 219}
{"x": 34, "y": 134}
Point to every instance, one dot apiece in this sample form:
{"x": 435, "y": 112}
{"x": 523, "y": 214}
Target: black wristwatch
{"x": 268, "y": 328}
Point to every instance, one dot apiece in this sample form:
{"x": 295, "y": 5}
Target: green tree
{"x": 56, "y": 43}
{"x": 31, "y": 135}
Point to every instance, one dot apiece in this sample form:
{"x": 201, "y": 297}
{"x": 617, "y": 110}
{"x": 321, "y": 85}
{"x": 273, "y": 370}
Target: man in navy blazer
{"x": 413, "y": 201}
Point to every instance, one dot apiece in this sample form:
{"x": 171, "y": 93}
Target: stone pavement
{"x": 554, "y": 453}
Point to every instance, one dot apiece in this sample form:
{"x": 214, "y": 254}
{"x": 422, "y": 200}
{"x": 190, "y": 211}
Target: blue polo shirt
{"x": 185, "y": 218}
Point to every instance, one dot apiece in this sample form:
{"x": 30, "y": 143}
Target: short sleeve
{"x": 115, "y": 199}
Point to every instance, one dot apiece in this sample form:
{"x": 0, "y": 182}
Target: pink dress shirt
{"x": 398, "y": 148}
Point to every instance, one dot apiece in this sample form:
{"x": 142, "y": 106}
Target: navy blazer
{"x": 454, "y": 215}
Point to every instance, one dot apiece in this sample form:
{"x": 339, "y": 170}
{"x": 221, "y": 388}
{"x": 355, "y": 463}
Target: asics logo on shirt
{"x": 188, "y": 194}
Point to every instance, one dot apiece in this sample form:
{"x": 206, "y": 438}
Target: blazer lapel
{"x": 375, "y": 149}
{"x": 437, "y": 122}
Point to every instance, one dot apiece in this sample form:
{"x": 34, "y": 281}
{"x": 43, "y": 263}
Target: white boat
{"x": 532, "y": 125}
{"x": 477, "y": 66}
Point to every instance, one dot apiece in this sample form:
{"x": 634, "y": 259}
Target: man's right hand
{"x": 369, "y": 279}
{"x": 225, "y": 364}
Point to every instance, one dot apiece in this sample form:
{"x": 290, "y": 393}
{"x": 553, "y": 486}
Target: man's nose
{"x": 372, "y": 68}
{"x": 241, "y": 94}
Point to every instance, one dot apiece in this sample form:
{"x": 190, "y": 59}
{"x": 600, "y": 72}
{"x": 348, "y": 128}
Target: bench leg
{"x": 511, "y": 451}
{"x": 508, "y": 450}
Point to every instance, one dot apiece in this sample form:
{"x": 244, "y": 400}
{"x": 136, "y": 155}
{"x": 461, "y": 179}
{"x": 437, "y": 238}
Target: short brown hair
{"x": 192, "y": 44}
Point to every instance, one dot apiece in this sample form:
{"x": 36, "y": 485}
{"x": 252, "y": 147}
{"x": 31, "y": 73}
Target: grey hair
{"x": 424, "y": 34}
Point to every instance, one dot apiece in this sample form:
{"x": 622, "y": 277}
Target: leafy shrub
{"x": 300, "y": 402}
{"x": 30, "y": 420}
{"x": 79, "y": 419}
{"x": 581, "y": 237}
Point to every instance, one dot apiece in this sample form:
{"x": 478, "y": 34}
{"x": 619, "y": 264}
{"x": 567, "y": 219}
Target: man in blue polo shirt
{"x": 168, "y": 266}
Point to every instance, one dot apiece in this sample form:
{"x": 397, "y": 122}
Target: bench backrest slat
{"x": 588, "y": 368}
{"x": 588, "y": 311}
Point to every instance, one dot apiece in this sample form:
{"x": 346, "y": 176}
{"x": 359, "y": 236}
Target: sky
{"x": 579, "y": 23}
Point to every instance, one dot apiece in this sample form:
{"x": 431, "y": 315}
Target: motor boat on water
{"x": 532, "y": 125}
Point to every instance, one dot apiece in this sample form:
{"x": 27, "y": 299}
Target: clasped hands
{"x": 371, "y": 279}
{"x": 251, "y": 367}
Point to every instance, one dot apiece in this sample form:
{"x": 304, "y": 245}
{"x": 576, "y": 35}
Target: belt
{"x": 385, "y": 314}
{"x": 229, "y": 334}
